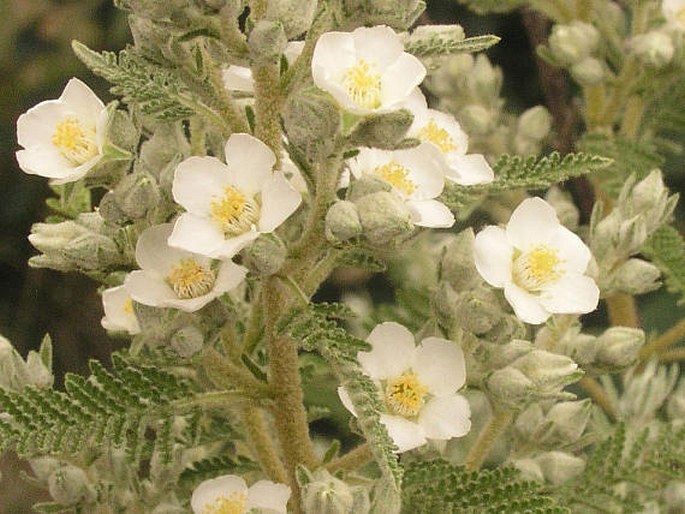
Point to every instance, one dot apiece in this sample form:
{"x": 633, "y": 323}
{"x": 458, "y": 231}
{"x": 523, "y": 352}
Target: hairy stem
{"x": 623, "y": 311}
{"x": 598, "y": 394}
{"x": 352, "y": 460}
{"x": 263, "y": 445}
{"x": 487, "y": 437}
{"x": 673, "y": 335}
{"x": 268, "y": 105}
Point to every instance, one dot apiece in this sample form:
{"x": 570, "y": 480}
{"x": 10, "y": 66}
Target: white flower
{"x": 365, "y": 70}
{"x": 239, "y": 78}
{"x": 451, "y": 142}
{"x": 119, "y": 315}
{"x": 62, "y": 139}
{"x": 674, "y": 12}
{"x": 539, "y": 263}
{"x": 414, "y": 174}
{"x": 229, "y": 205}
{"x": 176, "y": 278}
{"x": 418, "y": 385}
{"x": 229, "y": 494}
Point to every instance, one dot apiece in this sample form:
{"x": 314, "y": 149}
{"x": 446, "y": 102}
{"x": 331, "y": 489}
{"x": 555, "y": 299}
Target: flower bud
{"x": 618, "y": 348}
{"x": 568, "y": 421}
{"x": 265, "y": 255}
{"x": 485, "y": 80}
{"x": 457, "y": 266}
{"x": 507, "y": 329}
{"x": 573, "y": 42}
{"x": 92, "y": 251}
{"x": 535, "y": 123}
{"x": 588, "y": 72}
{"x": 366, "y": 185}
{"x": 136, "y": 195}
{"x": 549, "y": 371}
{"x": 296, "y": 16}
{"x": 384, "y": 217}
{"x": 476, "y": 119}
{"x": 477, "y": 311}
{"x": 509, "y": 387}
{"x": 636, "y": 276}
{"x": 528, "y": 423}
{"x": 342, "y": 222}
{"x": 43, "y": 467}
{"x": 39, "y": 375}
{"x": 312, "y": 122}
{"x": 530, "y": 470}
{"x": 383, "y": 130}
{"x": 650, "y": 197}
{"x": 559, "y": 467}
{"x": 566, "y": 210}
{"x": 267, "y": 42}
{"x": 508, "y": 353}
{"x": 325, "y": 494}
{"x": 187, "y": 341}
{"x": 653, "y": 48}
{"x": 70, "y": 485}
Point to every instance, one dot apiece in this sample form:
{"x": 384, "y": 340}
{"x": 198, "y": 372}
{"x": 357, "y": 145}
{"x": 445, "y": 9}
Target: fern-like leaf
{"x": 155, "y": 90}
{"x": 666, "y": 249}
{"x": 213, "y": 467}
{"x": 437, "y": 486}
{"x": 441, "y": 45}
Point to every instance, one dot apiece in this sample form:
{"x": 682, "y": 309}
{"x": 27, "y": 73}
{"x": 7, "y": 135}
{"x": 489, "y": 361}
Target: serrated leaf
{"x": 666, "y": 249}
{"x": 445, "y": 44}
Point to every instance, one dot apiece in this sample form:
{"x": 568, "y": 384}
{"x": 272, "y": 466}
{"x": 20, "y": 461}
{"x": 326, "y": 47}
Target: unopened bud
{"x": 476, "y": 119}
{"x": 484, "y": 80}
{"x": 530, "y": 470}
{"x": 653, "y": 48}
{"x": 296, "y": 16}
{"x": 510, "y": 387}
{"x": 383, "y": 130}
{"x": 559, "y": 467}
{"x": 508, "y": 353}
{"x": 69, "y": 485}
{"x": 187, "y": 341}
{"x": 342, "y": 222}
{"x": 325, "y": 494}
{"x": 477, "y": 311}
{"x": 265, "y": 255}
{"x": 568, "y": 420}
{"x": 573, "y": 42}
{"x": 535, "y": 123}
{"x": 618, "y": 348}
{"x": 549, "y": 371}
{"x": 366, "y": 185}
{"x": 457, "y": 266}
{"x": 136, "y": 194}
{"x": 588, "y": 72}
{"x": 384, "y": 217}
{"x": 267, "y": 42}
{"x": 635, "y": 277}
{"x": 43, "y": 467}
{"x": 92, "y": 251}
{"x": 650, "y": 197}
{"x": 312, "y": 122}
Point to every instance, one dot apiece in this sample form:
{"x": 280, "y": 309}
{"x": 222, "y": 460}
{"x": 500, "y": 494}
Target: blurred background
{"x": 35, "y": 63}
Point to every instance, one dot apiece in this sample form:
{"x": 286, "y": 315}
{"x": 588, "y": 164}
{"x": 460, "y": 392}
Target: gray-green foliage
{"x": 666, "y": 249}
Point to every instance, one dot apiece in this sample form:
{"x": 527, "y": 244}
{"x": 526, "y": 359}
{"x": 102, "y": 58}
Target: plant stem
{"x": 351, "y": 460}
{"x": 268, "y": 104}
{"x": 632, "y": 116}
{"x": 197, "y": 137}
{"x": 664, "y": 341}
{"x": 487, "y": 437}
{"x": 672, "y": 355}
{"x": 263, "y": 445}
{"x": 598, "y": 394}
{"x": 623, "y": 311}
{"x": 224, "y": 373}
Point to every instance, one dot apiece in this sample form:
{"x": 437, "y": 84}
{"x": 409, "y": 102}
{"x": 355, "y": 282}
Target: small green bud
{"x": 618, "y": 348}
{"x": 507, "y": 353}
{"x": 477, "y": 311}
{"x": 650, "y": 197}
{"x": 366, "y": 185}
{"x": 325, "y": 494}
{"x": 136, "y": 195}
{"x": 568, "y": 420}
{"x": 383, "y": 130}
{"x": 636, "y": 276}
{"x": 265, "y": 255}
{"x": 92, "y": 251}
{"x": 476, "y": 119}
{"x": 342, "y": 222}
{"x": 653, "y": 48}
{"x": 312, "y": 122}
{"x": 296, "y": 16}
{"x": 38, "y": 374}
{"x": 187, "y": 341}
{"x": 508, "y": 328}
{"x": 588, "y": 72}
{"x": 485, "y": 80}
{"x": 70, "y": 485}
{"x": 457, "y": 266}
{"x": 559, "y": 467}
{"x": 571, "y": 43}
{"x": 384, "y": 217}
{"x": 510, "y": 387}
{"x": 535, "y": 123}
{"x": 43, "y": 467}
{"x": 266, "y": 42}
{"x": 530, "y": 470}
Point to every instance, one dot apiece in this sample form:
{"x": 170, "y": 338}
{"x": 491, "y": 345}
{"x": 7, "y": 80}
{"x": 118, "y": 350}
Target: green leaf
{"x": 666, "y": 249}
{"x": 492, "y": 6}
{"x": 360, "y": 258}
{"x": 444, "y": 43}
{"x": 437, "y": 486}
{"x": 213, "y": 467}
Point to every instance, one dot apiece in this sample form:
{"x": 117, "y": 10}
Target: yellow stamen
{"x": 405, "y": 395}
{"x": 396, "y": 175}
{"x": 128, "y": 306}
{"x": 75, "y": 142}
{"x": 235, "y": 212}
{"x": 363, "y": 85}
{"x": 190, "y": 280}
{"x": 234, "y": 503}
{"x": 536, "y": 268}
{"x": 438, "y": 136}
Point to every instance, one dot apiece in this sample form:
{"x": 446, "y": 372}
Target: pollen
{"x": 363, "y": 85}
{"x": 537, "y": 268}
{"x": 189, "y": 279}
{"x": 234, "y": 503}
{"x": 235, "y": 212}
{"x": 405, "y": 395}
{"x": 438, "y": 136}
{"x": 74, "y": 142}
{"x": 396, "y": 175}
{"x": 128, "y": 306}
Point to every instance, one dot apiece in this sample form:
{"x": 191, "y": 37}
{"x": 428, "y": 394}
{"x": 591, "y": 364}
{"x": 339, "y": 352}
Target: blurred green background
{"x": 35, "y": 63}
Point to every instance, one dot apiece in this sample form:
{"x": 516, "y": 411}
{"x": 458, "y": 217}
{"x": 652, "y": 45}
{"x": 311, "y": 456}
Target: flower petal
{"x": 153, "y": 251}
{"x": 196, "y": 234}
{"x": 233, "y": 245}
{"x": 493, "y": 255}
{"x": 446, "y": 417}
{"x": 209, "y": 490}
{"x": 115, "y": 301}
{"x": 279, "y": 201}
{"x": 379, "y": 45}
{"x": 230, "y": 276}
{"x": 469, "y": 170}
{"x": 346, "y": 400}
{"x": 81, "y": 100}
{"x": 400, "y": 78}
{"x": 533, "y": 222}
{"x": 269, "y": 496}
{"x": 575, "y": 254}
{"x": 250, "y": 161}
{"x": 572, "y": 294}
{"x": 425, "y": 171}
{"x": 37, "y": 125}
{"x": 430, "y": 213}
{"x": 526, "y": 306}
{"x": 238, "y": 78}
{"x": 333, "y": 54}
{"x": 149, "y": 288}
{"x": 198, "y": 181}
{"x": 439, "y": 363}
{"x": 406, "y": 434}
{"x": 392, "y": 351}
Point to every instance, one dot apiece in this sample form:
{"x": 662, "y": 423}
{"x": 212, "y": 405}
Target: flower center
{"x": 538, "y": 267}
{"x": 189, "y": 279}
{"x": 128, "y": 306}
{"x": 363, "y": 85}
{"x": 234, "y": 503}
{"x": 235, "y": 212}
{"x": 74, "y": 142}
{"x": 405, "y": 395}
{"x": 396, "y": 175}
{"x": 438, "y": 136}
